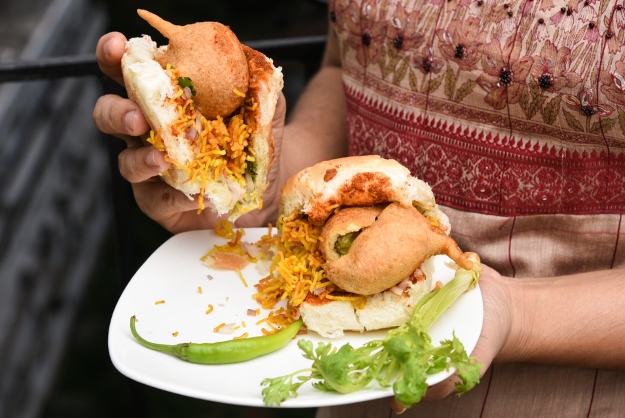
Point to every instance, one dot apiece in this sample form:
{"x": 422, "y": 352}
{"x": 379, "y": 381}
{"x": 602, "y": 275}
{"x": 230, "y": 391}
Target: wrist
{"x": 518, "y": 342}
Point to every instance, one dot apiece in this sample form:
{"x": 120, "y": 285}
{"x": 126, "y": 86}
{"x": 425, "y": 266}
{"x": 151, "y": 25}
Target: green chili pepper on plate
{"x": 224, "y": 352}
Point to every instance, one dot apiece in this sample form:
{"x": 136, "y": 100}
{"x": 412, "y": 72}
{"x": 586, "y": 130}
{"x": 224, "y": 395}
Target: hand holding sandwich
{"x": 141, "y": 163}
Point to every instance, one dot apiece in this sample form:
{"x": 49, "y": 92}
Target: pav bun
{"x": 193, "y": 141}
{"x": 379, "y": 230}
{"x": 356, "y": 181}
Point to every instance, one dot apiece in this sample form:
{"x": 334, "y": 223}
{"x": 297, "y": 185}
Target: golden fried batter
{"x": 348, "y": 220}
{"x": 210, "y": 54}
{"x": 388, "y": 250}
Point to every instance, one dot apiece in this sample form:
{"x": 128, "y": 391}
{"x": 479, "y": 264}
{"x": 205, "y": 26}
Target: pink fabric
{"x": 514, "y": 113}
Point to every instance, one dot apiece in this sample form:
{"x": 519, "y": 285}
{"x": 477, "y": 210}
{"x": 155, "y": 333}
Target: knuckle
{"x": 169, "y": 197}
{"x": 129, "y": 165}
{"x": 123, "y": 166}
{"x": 97, "y": 114}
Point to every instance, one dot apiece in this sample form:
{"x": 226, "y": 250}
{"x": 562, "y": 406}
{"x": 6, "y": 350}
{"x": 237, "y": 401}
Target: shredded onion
{"x": 169, "y": 74}
{"x": 396, "y": 290}
{"x": 187, "y": 93}
{"x": 419, "y": 275}
{"x": 252, "y": 250}
{"x": 251, "y": 312}
{"x": 227, "y": 329}
{"x": 191, "y": 132}
{"x": 318, "y": 290}
{"x": 249, "y": 183}
{"x": 209, "y": 277}
{"x": 404, "y": 283}
{"x": 234, "y": 189}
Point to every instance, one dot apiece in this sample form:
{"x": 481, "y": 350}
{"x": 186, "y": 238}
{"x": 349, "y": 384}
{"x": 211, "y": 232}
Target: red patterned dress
{"x": 514, "y": 112}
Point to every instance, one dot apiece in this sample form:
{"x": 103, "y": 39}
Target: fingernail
{"x": 155, "y": 158}
{"x": 107, "y": 47}
{"x": 128, "y": 120}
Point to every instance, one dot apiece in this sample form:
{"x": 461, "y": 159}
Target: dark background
{"x": 87, "y": 383}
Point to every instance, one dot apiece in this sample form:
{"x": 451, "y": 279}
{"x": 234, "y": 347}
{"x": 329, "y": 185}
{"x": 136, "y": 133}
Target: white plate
{"x": 174, "y": 273}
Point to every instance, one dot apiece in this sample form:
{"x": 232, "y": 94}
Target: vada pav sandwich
{"x": 357, "y": 236}
{"x": 210, "y": 101}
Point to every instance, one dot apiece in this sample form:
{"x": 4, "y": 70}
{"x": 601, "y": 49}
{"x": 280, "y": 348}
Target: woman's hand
{"x": 141, "y": 163}
{"x": 493, "y": 338}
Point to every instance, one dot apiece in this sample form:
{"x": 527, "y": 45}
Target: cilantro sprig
{"x": 187, "y": 82}
{"x": 403, "y": 359}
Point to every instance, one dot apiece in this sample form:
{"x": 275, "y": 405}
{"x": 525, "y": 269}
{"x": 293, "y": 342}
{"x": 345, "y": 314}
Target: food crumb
{"x": 175, "y": 334}
{"x": 199, "y": 289}
{"x": 244, "y": 335}
{"x": 210, "y": 309}
{"x": 159, "y": 302}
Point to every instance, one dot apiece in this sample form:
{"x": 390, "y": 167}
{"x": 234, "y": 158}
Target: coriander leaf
{"x": 186, "y": 82}
{"x": 279, "y": 389}
{"x": 411, "y": 385}
{"x": 467, "y": 368}
{"x": 252, "y": 169}
{"x": 348, "y": 370}
{"x": 307, "y": 347}
{"x": 323, "y": 386}
{"x": 405, "y": 358}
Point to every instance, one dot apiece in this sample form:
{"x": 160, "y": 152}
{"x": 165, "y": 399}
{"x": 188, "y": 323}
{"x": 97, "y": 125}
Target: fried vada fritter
{"x": 210, "y": 54}
{"x": 387, "y": 250}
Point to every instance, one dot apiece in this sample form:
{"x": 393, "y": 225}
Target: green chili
{"x": 224, "y": 352}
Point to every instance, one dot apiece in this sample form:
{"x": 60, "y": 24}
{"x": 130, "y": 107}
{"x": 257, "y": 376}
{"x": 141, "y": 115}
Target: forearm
{"x": 569, "y": 320}
{"x": 316, "y": 130}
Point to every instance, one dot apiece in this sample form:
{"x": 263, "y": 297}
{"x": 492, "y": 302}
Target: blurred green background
{"x": 87, "y": 383}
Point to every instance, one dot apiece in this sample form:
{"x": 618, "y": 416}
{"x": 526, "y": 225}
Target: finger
{"x": 280, "y": 113}
{"x": 441, "y": 390}
{"x": 137, "y": 164}
{"x": 118, "y": 116}
{"x": 396, "y": 407}
{"x": 163, "y": 203}
{"x": 109, "y": 52}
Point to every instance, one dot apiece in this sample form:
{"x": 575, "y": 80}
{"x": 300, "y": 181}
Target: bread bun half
{"x": 357, "y": 181}
{"x": 357, "y": 241}
{"x": 197, "y": 167}
{"x": 387, "y": 309}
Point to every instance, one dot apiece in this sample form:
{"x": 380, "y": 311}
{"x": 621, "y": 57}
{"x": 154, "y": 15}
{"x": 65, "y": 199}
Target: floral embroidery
{"x": 550, "y": 68}
{"x": 613, "y": 43}
{"x": 588, "y": 14}
{"x": 426, "y": 63}
{"x": 461, "y": 42}
{"x": 336, "y": 9}
{"x": 585, "y": 105}
{"x": 503, "y": 79}
{"x": 402, "y": 31}
{"x": 619, "y": 17}
{"x": 613, "y": 84}
{"x": 365, "y": 31}
{"x": 551, "y": 78}
{"x": 592, "y": 32}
